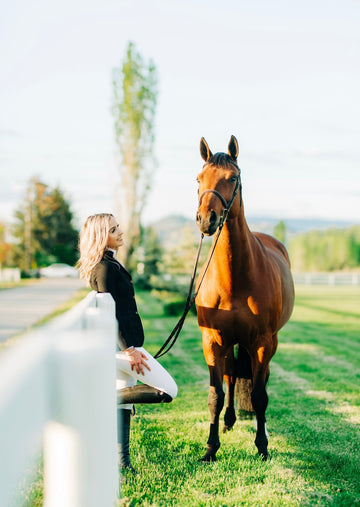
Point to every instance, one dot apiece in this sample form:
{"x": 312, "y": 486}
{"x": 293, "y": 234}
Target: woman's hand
{"x": 137, "y": 360}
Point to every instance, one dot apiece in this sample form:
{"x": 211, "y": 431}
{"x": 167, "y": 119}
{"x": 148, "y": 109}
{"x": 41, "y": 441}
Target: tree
{"x": 178, "y": 260}
{"x": 329, "y": 250}
{"x": 5, "y": 247}
{"x": 44, "y": 229}
{"x": 134, "y": 105}
{"x": 280, "y": 231}
{"x": 148, "y": 258}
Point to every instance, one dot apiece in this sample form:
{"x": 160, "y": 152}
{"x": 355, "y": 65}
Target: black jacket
{"x": 110, "y": 276}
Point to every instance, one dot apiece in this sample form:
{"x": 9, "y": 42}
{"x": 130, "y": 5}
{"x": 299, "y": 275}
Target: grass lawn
{"x": 313, "y": 417}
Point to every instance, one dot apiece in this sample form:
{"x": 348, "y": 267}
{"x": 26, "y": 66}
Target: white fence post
{"x": 23, "y": 411}
{"x": 63, "y": 380}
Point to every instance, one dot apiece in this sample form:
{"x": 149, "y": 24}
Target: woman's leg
{"x": 157, "y": 377}
{"x": 123, "y": 428}
{"x": 158, "y": 387}
{"x": 124, "y": 380}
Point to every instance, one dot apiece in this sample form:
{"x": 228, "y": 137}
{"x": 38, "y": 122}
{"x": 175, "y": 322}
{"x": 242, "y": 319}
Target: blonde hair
{"x": 93, "y": 242}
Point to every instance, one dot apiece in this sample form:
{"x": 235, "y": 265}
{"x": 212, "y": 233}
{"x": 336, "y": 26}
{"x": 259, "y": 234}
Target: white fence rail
{"x": 57, "y": 393}
{"x": 327, "y": 278}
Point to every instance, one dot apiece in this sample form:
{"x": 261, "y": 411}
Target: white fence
{"x": 10, "y": 275}
{"x": 327, "y": 278}
{"x": 57, "y": 393}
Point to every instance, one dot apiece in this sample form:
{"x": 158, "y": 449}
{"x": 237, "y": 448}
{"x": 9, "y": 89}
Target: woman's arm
{"x": 106, "y": 282}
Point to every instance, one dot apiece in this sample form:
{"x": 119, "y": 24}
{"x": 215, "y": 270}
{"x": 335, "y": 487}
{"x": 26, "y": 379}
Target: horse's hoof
{"x": 262, "y": 446}
{"x": 229, "y": 419}
{"x": 264, "y": 456}
{"x": 208, "y": 458}
{"x": 210, "y": 454}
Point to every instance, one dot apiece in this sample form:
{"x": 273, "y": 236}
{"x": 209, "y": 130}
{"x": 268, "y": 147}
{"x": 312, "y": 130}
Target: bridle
{"x": 227, "y": 204}
{"x": 191, "y": 297}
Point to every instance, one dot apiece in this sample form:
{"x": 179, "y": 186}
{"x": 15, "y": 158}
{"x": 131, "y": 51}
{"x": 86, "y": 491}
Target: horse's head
{"x": 219, "y": 183}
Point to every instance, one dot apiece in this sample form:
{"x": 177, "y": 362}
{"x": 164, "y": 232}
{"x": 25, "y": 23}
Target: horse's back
{"x": 279, "y": 255}
{"x": 273, "y": 244}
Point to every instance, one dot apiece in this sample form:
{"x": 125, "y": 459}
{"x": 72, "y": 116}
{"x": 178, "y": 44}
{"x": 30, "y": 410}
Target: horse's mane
{"x": 222, "y": 160}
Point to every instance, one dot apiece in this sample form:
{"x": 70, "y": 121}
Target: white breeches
{"x": 157, "y": 377}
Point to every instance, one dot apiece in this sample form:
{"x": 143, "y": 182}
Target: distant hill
{"x": 169, "y": 228}
{"x": 295, "y": 225}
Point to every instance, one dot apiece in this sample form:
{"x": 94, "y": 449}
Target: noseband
{"x": 227, "y": 204}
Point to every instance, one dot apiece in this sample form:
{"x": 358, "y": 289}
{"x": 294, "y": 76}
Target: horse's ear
{"x": 233, "y": 148}
{"x": 205, "y": 150}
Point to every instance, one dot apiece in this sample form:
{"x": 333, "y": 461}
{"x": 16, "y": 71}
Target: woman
{"x": 100, "y": 238}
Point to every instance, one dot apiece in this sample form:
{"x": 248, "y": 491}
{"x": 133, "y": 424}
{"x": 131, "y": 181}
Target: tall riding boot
{"x": 142, "y": 393}
{"x": 123, "y": 433}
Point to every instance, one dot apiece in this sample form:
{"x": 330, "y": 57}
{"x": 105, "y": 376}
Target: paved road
{"x": 22, "y": 307}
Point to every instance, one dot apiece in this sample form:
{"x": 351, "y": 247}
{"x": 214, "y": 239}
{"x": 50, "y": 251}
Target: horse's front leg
{"x": 215, "y": 404}
{"x": 230, "y": 379}
{"x": 215, "y": 362}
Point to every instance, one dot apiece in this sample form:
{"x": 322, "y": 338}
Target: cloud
{"x": 6, "y": 134}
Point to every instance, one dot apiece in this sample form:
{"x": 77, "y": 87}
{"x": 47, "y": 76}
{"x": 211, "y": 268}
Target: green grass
{"x": 313, "y": 417}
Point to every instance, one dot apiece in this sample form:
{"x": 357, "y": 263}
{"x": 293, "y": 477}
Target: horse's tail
{"x": 243, "y": 386}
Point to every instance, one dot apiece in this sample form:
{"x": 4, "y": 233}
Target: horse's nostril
{"x": 198, "y": 217}
{"x": 213, "y": 217}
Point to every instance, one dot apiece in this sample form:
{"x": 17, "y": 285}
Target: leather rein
{"x": 191, "y": 296}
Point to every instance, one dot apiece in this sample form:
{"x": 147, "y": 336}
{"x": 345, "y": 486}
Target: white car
{"x": 59, "y": 270}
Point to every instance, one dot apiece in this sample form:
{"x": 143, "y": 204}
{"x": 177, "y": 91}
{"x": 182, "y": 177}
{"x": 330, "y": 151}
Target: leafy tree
{"x": 329, "y": 250}
{"x": 149, "y": 257}
{"x": 280, "y": 231}
{"x": 6, "y": 249}
{"x": 44, "y": 229}
{"x": 179, "y": 260}
{"x": 134, "y": 105}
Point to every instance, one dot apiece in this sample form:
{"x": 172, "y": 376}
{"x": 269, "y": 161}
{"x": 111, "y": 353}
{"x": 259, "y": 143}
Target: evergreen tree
{"x": 44, "y": 229}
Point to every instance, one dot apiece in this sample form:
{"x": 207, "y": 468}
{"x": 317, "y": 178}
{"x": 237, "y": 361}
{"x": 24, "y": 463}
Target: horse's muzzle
{"x": 207, "y": 223}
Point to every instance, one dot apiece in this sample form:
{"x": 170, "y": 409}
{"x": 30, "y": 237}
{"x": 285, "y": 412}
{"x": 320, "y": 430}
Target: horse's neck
{"x": 234, "y": 252}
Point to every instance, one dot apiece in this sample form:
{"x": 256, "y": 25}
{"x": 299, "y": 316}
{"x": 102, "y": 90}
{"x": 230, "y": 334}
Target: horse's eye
{"x": 233, "y": 179}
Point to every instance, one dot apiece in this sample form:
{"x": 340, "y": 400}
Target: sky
{"x": 283, "y": 77}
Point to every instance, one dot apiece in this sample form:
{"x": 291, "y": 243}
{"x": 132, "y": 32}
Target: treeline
{"x": 42, "y": 231}
{"x": 329, "y": 250}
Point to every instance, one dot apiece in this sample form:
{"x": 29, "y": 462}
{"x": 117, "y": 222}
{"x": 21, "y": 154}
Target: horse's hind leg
{"x": 259, "y": 398}
{"x": 230, "y": 379}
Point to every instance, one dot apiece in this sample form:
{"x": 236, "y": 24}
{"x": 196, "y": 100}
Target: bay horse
{"x": 244, "y": 297}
